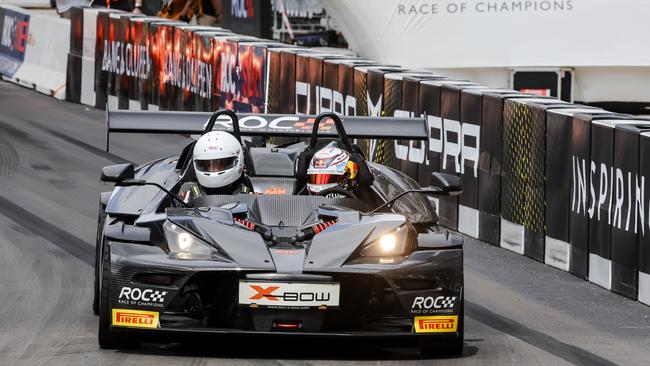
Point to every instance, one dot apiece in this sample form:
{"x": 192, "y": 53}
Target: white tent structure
{"x": 604, "y": 41}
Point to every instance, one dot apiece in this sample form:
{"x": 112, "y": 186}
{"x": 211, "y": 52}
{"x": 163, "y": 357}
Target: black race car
{"x": 277, "y": 262}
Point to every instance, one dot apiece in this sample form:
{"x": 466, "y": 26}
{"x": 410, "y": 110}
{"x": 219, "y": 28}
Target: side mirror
{"x": 450, "y": 185}
{"x": 117, "y": 173}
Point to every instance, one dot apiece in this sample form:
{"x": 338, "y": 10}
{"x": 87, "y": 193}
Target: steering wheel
{"x": 337, "y": 190}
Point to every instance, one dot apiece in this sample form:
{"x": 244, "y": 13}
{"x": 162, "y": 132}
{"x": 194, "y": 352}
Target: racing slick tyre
{"x": 106, "y": 338}
{"x": 437, "y": 347}
{"x": 434, "y": 346}
{"x": 98, "y": 250}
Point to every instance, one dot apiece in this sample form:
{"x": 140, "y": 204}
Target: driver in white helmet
{"x": 218, "y": 160}
{"x": 331, "y": 170}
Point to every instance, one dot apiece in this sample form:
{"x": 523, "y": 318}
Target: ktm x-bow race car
{"x": 277, "y": 261}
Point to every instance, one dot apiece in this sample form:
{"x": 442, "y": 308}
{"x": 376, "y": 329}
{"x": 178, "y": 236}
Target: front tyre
{"x": 434, "y": 346}
{"x": 101, "y": 217}
{"x": 106, "y": 338}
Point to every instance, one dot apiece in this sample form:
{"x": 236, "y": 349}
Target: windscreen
{"x": 416, "y": 207}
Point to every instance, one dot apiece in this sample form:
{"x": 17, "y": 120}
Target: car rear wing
{"x": 280, "y": 125}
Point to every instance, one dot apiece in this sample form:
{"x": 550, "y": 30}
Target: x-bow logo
{"x": 266, "y": 293}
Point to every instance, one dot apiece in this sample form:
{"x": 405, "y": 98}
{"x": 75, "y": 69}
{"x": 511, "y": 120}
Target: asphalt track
{"x": 518, "y": 312}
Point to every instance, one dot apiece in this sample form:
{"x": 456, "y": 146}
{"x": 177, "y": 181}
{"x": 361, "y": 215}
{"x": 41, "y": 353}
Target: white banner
{"x": 46, "y": 57}
{"x": 496, "y": 33}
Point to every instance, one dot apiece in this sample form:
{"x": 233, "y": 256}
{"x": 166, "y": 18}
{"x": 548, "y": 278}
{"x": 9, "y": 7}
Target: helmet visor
{"x": 324, "y": 178}
{"x": 215, "y": 165}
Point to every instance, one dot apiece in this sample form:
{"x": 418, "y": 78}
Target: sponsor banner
{"x": 405, "y": 32}
{"x": 392, "y": 102}
{"x": 251, "y": 64}
{"x": 401, "y": 99}
{"x": 345, "y": 82}
{"x": 135, "y": 318}
{"x": 112, "y": 59}
{"x": 411, "y": 154}
{"x": 523, "y": 192}
{"x": 330, "y": 97}
{"x": 175, "y": 71}
{"x": 281, "y": 91}
{"x": 460, "y": 143}
{"x": 145, "y": 91}
{"x": 137, "y": 80}
{"x": 161, "y": 43}
{"x": 74, "y": 65}
{"x": 228, "y": 81}
{"x": 291, "y": 74}
{"x": 73, "y": 78}
{"x": 435, "y": 324}
{"x": 337, "y": 93}
{"x": 129, "y": 58}
{"x": 607, "y": 194}
{"x": 250, "y": 17}
{"x": 450, "y": 162}
{"x": 77, "y": 31}
{"x": 430, "y": 96}
{"x": 430, "y": 106}
{"x": 362, "y": 96}
{"x": 274, "y": 81}
{"x": 195, "y": 73}
{"x": 644, "y": 241}
{"x": 14, "y": 32}
{"x": 471, "y": 122}
{"x": 312, "y": 97}
{"x": 602, "y": 156}
{"x": 559, "y": 126}
{"x": 367, "y": 104}
{"x": 378, "y": 151}
{"x": 203, "y": 71}
{"x": 288, "y": 294}
{"x": 326, "y": 99}
{"x": 579, "y": 226}
{"x": 580, "y": 150}
{"x": 629, "y": 214}
{"x": 304, "y": 97}
{"x": 490, "y": 162}
{"x": 102, "y": 40}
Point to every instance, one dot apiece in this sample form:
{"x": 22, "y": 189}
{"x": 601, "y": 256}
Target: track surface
{"x": 518, "y": 312}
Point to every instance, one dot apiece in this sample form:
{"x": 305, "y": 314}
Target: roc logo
{"x": 135, "y": 318}
{"x": 435, "y": 324}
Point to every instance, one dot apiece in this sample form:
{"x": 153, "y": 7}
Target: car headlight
{"x": 184, "y": 245}
{"x": 395, "y": 243}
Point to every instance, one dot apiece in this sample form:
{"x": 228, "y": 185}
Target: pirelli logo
{"x": 135, "y": 318}
{"x": 436, "y": 324}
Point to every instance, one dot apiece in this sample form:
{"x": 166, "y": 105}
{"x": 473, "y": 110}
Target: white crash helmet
{"x": 329, "y": 168}
{"x": 218, "y": 159}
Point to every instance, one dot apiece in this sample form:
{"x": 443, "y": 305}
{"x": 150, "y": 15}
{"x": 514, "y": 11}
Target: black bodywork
{"x": 285, "y": 236}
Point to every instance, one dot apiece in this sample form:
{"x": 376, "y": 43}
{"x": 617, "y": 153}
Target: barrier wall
{"x": 561, "y": 183}
{"x": 34, "y": 49}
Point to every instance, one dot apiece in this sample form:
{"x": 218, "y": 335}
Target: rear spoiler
{"x": 280, "y": 125}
